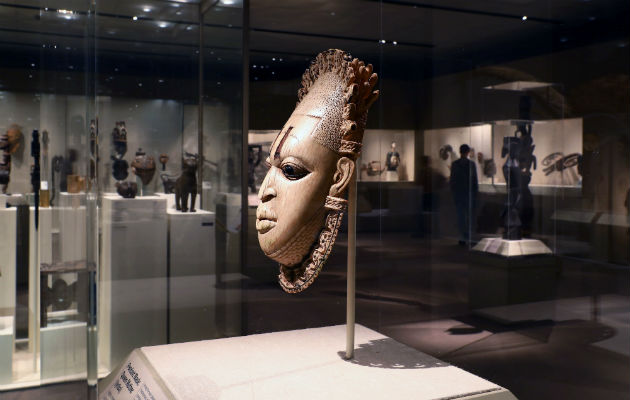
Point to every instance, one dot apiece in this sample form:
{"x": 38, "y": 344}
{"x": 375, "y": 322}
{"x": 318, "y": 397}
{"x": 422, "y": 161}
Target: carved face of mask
{"x": 311, "y": 164}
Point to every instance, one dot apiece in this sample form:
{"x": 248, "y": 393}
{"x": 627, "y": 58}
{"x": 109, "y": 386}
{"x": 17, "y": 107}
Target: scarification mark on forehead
{"x": 276, "y": 154}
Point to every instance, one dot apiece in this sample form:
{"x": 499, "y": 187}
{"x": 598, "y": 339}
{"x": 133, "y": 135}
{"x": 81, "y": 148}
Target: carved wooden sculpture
{"x": 186, "y": 185}
{"x": 311, "y": 164}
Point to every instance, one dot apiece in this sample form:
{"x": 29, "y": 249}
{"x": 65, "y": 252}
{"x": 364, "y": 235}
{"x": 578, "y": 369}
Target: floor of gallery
{"x": 575, "y": 345}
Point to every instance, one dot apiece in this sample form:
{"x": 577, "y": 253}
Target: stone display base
{"x": 512, "y": 248}
{"x": 63, "y": 349}
{"x": 529, "y": 273}
{"x": 304, "y": 364}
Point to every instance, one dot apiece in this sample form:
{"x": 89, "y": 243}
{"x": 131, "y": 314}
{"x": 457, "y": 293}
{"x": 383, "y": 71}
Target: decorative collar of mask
{"x": 337, "y": 90}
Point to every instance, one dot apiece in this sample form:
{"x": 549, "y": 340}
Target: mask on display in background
{"x": 128, "y": 190}
{"x": 186, "y": 184}
{"x": 446, "y": 151}
{"x": 14, "y": 136}
{"x": 120, "y": 168}
{"x": 119, "y": 138}
{"x": 311, "y": 163}
{"x": 143, "y": 166}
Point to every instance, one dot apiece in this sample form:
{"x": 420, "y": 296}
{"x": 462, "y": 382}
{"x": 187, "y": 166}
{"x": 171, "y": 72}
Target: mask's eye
{"x": 293, "y": 172}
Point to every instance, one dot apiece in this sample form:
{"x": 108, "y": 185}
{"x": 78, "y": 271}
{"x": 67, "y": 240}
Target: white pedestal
{"x": 64, "y": 350}
{"x": 304, "y": 364}
{"x": 391, "y": 176}
{"x": 512, "y": 248}
{"x": 192, "y": 292}
{"x": 228, "y": 209}
{"x": 6, "y": 349}
{"x": 72, "y": 226}
{"x": 133, "y": 295}
{"x": 41, "y": 241}
{"x": 8, "y": 220}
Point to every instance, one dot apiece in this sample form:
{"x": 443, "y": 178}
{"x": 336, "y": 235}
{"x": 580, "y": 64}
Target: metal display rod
{"x": 352, "y": 258}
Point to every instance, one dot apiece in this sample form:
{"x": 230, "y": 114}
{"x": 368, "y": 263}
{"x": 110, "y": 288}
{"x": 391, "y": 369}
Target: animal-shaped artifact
{"x": 186, "y": 184}
{"x": 143, "y": 166}
{"x": 128, "y": 190}
{"x": 312, "y": 161}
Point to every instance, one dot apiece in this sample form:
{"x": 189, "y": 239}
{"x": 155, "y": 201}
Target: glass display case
{"x": 492, "y": 193}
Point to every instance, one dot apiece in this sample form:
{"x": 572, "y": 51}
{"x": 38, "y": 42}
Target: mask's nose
{"x": 267, "y": 191}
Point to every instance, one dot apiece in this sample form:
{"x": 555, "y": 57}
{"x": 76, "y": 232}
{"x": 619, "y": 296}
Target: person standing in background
{"x": 464, "y": 188}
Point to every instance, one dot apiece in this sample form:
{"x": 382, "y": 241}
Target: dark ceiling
{"x": 158, "y": 40}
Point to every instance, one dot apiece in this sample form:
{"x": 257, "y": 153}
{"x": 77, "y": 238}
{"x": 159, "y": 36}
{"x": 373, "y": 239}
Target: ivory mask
{"x": 311, "y": 164}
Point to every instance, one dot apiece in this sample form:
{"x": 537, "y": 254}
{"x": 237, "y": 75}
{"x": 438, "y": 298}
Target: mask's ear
{"x": 341, "y": 179}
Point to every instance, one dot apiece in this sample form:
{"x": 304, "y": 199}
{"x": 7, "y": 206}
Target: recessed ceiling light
{"x": 146, "y": 9}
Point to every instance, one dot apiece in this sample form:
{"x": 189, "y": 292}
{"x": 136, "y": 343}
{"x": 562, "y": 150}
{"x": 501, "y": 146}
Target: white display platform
{"x": 8, "y": 220}
{"x": 512, "y": 248}
{"x": 192, "y": 269}
{"x": 63, "y": 350}
{"x": 303, "y": 364}
{"x": 6, "y": 349}
{"x": 132, "y": 304}
{"x": 12, "y": 199}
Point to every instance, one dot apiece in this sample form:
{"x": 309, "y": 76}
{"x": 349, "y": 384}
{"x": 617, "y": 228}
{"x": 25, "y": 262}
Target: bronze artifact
{"x": 168, "y": 182}
{"x": 143, "y": 166}
{"x": 312, "y": 161}
{"x": 128, "y": 190}
{"x": 186, "y": 184}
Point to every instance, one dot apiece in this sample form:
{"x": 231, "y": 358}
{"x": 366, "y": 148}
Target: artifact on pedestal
{"x": 186, "y": 184}
{"x": 312, "y": 161}
{"x": 143, "y": 166}
{"x": 128, "y": 190}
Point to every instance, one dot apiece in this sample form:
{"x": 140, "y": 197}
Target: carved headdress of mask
{"x": 311, "y": 163}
